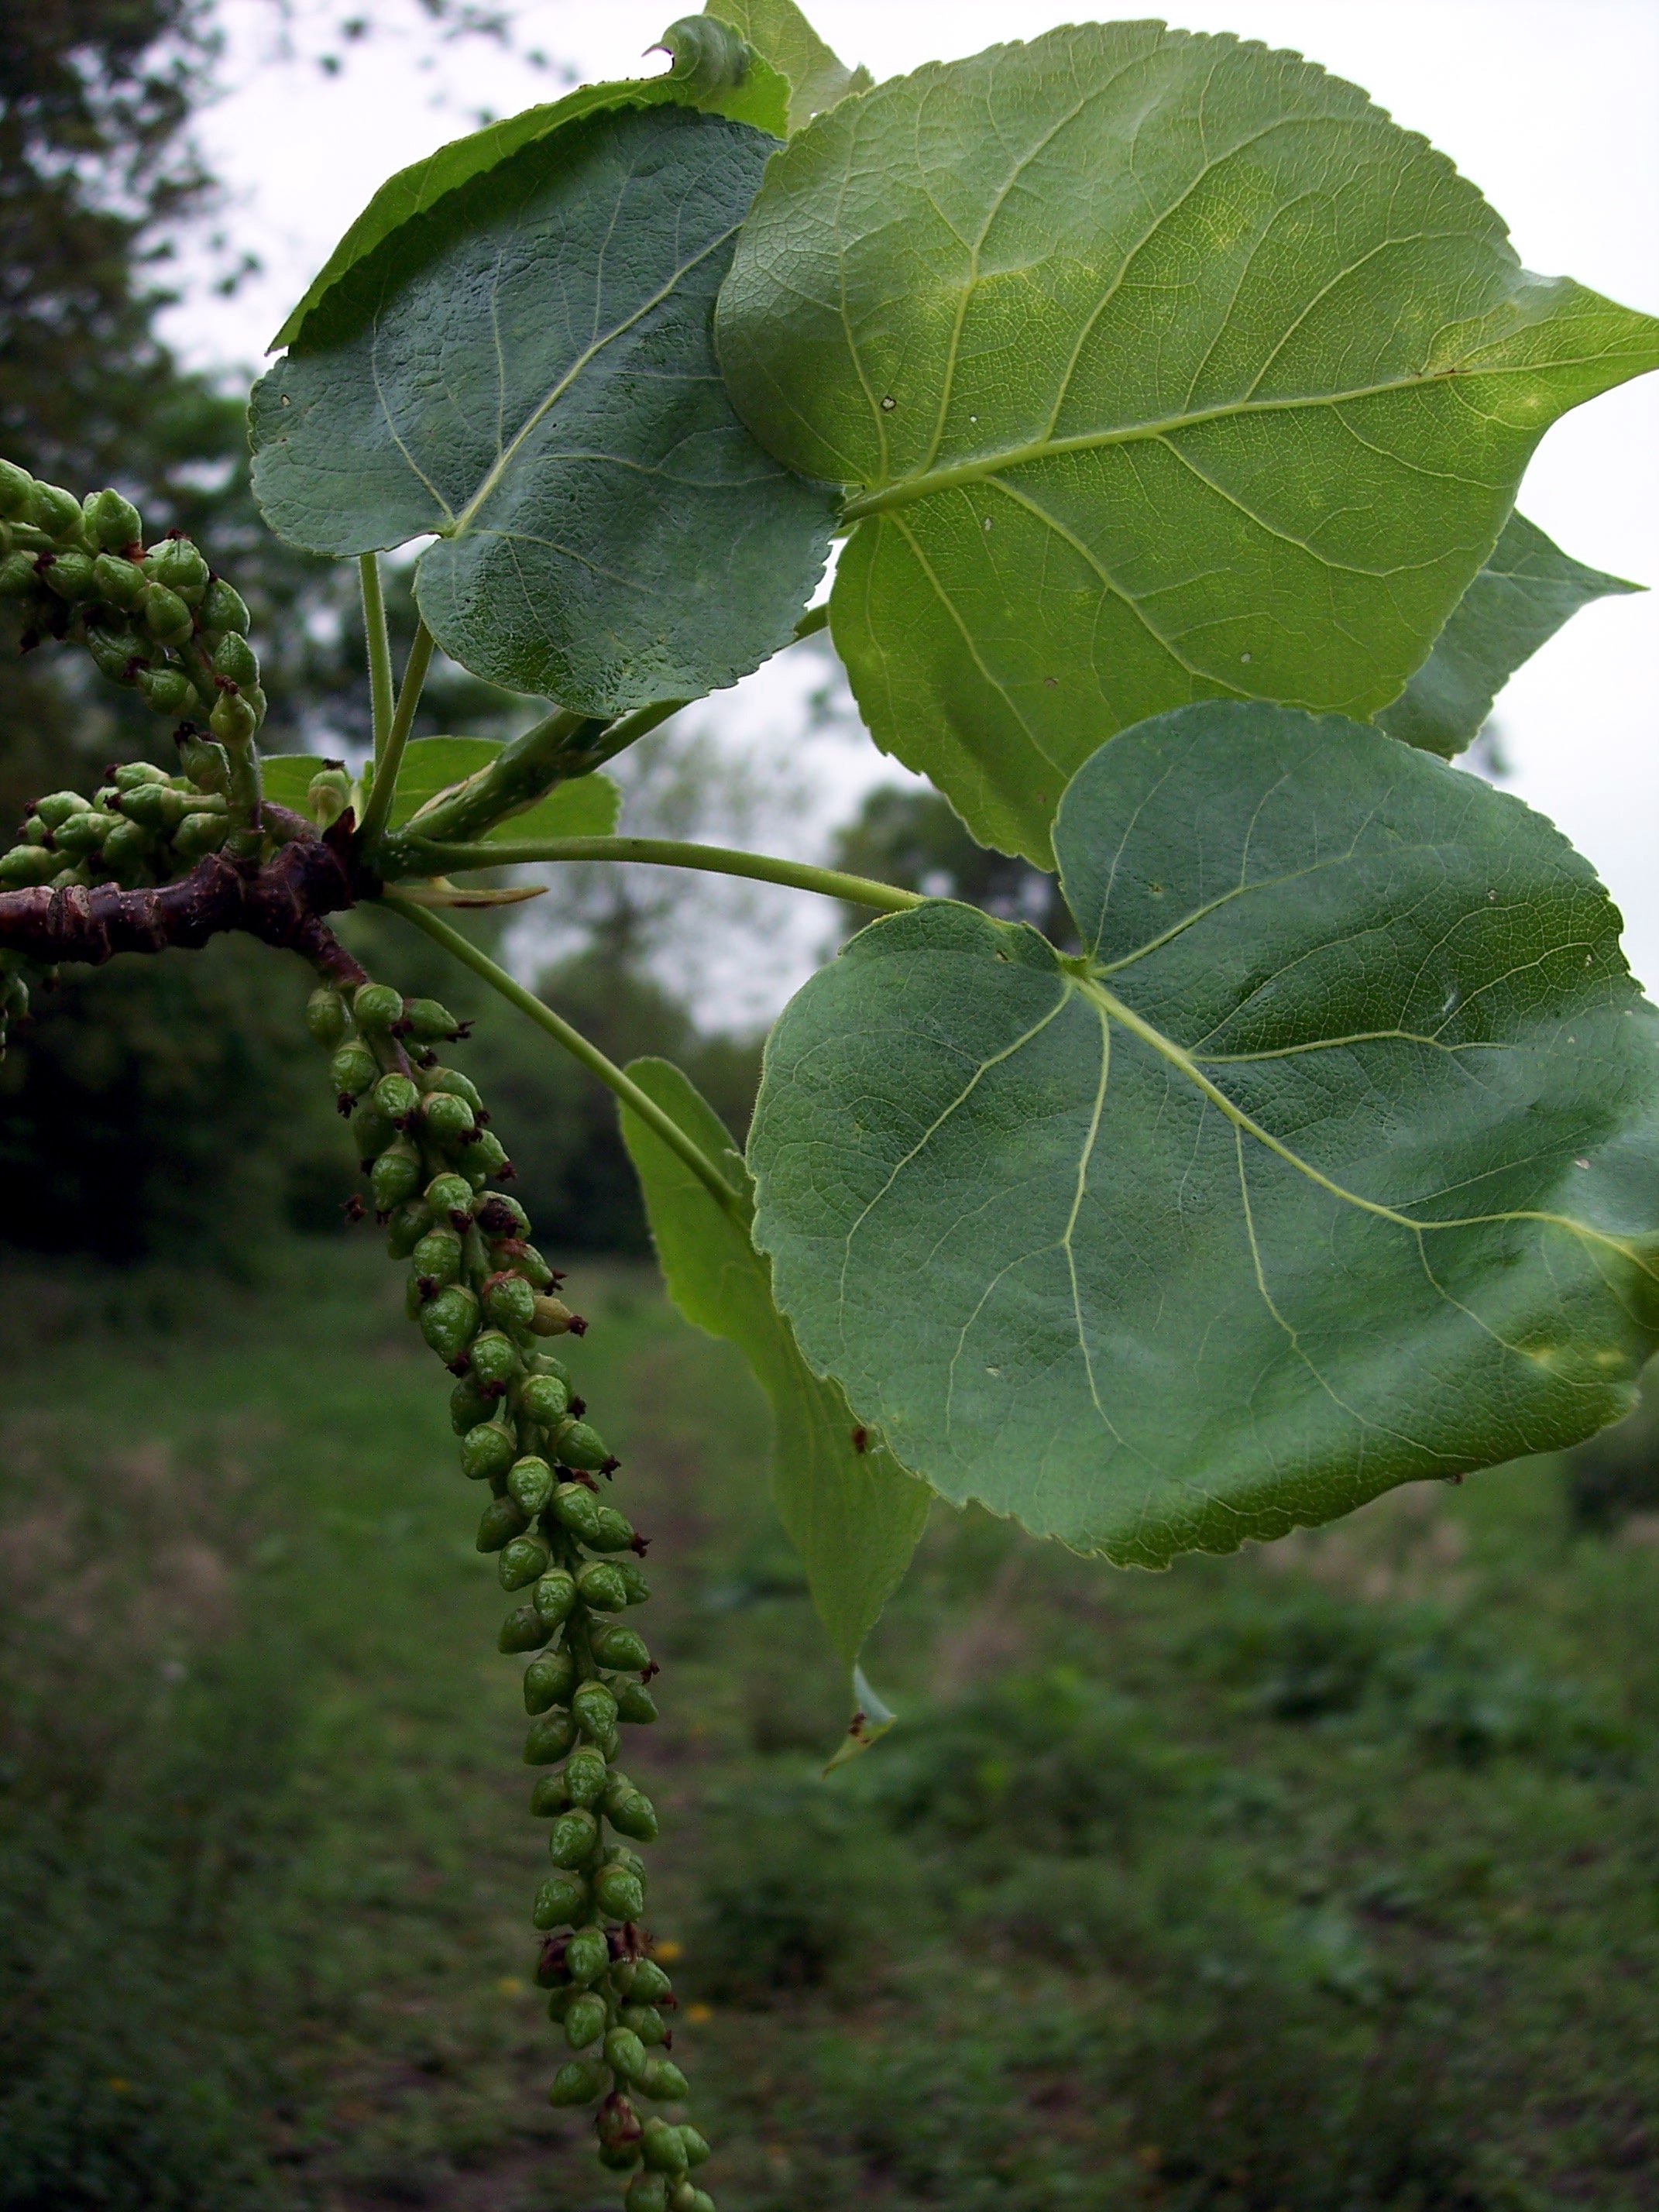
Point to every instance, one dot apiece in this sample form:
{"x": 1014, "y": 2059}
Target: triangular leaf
{"x": 527, "y": 371}
{"x": 1157, "y": 366}
{"x": 851, "y": 1510}
{"x": 1332, "y": 1164}
{"x": 1527, "y": 589}
{"x": 417, "y": 191}
{"x": 778, "y": 30}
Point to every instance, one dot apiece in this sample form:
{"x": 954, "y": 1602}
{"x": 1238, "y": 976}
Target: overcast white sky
{"x": 1552, "y": 106}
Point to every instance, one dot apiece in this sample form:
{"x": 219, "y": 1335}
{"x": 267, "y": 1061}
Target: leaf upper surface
{"x": 778, "y": 30}
{"x": 1526, "y": 590}
{"x": 528, "y": 372}
{"x": 1333, "y": 1164}
{"x": 854, "y": 1515}
{"x": 1159, "y": 367}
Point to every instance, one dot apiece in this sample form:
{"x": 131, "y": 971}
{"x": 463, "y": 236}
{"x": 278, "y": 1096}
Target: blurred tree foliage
{"x": 165, "y": 1107}
{"x": 912, "y": 838}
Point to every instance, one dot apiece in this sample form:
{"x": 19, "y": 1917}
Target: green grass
{"x": 1325, "y": 1878}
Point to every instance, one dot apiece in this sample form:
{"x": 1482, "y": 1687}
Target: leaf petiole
{"x": 579, "y": 1047}
{"x": 380, "y": 651}
{"x": 388, "y": 760}
{"x": 668, "y": 852}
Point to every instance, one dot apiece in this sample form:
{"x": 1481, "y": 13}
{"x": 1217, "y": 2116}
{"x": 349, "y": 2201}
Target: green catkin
{"x": 480, "y": 1294}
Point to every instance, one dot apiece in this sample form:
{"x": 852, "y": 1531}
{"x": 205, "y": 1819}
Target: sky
{"x": 1552, "y": 106}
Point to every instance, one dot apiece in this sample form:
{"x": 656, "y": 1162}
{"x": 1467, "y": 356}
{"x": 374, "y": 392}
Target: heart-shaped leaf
{"x": 527, "y": 371}
{"x": 1159, "y": 368}
{"x": 851, "y": 1510}
{"x": 777, "y": 30}
{"x": 1527, "y": 589}
{"x": 1332, "y": 1163}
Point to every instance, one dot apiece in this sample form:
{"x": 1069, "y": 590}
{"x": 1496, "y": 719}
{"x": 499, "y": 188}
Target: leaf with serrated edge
{"x": 416, "y": 192}
{"x": 854, "y": 1515}
{"x": 1527, "y": 589}
{"x": 529, "y": 373}
{"x": 586, "y": 806}
{"x": 1331, "y": 1164}
{"x": 1158, "y": 368}
{"x": 778, "y": 30}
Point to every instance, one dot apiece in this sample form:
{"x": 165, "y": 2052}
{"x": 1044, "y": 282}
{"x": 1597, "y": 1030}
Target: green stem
{"x": 380, "y": 651}
{"x": 388, "y": 763}
{"x": 550, "y": 752}
{"x": 670, "y": 853}
{"x": 574, "y": 1043}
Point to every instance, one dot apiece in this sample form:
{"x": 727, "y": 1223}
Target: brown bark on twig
{"x": 282, "y": 903}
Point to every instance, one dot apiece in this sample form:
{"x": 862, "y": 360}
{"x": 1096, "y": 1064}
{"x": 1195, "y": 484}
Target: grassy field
{"x": 1324, "y": 1879}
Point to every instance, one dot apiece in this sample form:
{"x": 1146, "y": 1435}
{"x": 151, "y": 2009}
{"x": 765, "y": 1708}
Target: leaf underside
{"x": 1333, "y": 1164}
{"x": 529, "y": 372}
{"x": 1157, "y": 367}
{"x": 854, "y": 1515}
{"x": 1526, "y": 590}
{"x": 778, "y": 31}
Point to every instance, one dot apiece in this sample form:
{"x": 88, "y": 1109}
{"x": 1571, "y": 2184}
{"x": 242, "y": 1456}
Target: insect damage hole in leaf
{"x": 1270, "y": 1200}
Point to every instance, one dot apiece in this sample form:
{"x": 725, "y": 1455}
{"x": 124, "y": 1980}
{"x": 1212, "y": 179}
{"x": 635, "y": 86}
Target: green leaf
{"x": 715, "y": 63}
{"x": 417, "y": 191}
{"x": 1332, "y": 1162}
{"x": 1528, "y": 588}
{"x": 528, "y": 372}
{"x": 851, "y": 1510}
{"x": 778, "y": 30}
{"x": 285, "y": 778}
{"x": 586, "y": 806}
{"x": 1159, "y": 368}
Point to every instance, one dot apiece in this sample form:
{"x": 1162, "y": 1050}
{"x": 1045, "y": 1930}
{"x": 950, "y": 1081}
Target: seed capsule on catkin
{"x": 587, "y": 1955}
{"x": 523, "y": 1630}
{"x": 509, "y": 1301}
{"x": 500, "y": 1523}
{"x": 448, "y": 1321}
{"x": 496, "y": 1360}
{"x": 577, "y": 1508}
{"x": 561, "y": 1898}
{"x": 554, "y": 1595}
{"x": 646, "y": 2192}
{"x": 396, "y": 1096}
{"x": 578, "y": 2083}
{"x": 660, "y": 2145}
{"x": 523, "y": 1560}
{"x": 487, "y": 1450}
{"x": 577, "y": 1446}
{"x": 550, "y": 1737}
{"x": 602, "y": 1587}
{"x": 545, "y": 1400}
{"x": 530, "y": 1481}
{"x": 662, "y": 2080}
{"x": 377, "y": 1006}
{"x": 446, "y": 1119}
{"x": 584, "y": 2019}
{"x": 573, "y": 1838}
{"x": 621, "y": 1647}
{"x": 612, "y": 1531}
{"x": 635, "y": 1703}
{"x": 619, "y": 1892}
{"x": 449, "y": 1194}
{"x": 596, "y": 1712}
{"x": 549, "y": 1681}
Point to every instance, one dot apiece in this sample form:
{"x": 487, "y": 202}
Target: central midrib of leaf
{"x": 1083, "y": 982}
{"x": 456, "y": 525}
{"x": 907, "y": 489}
